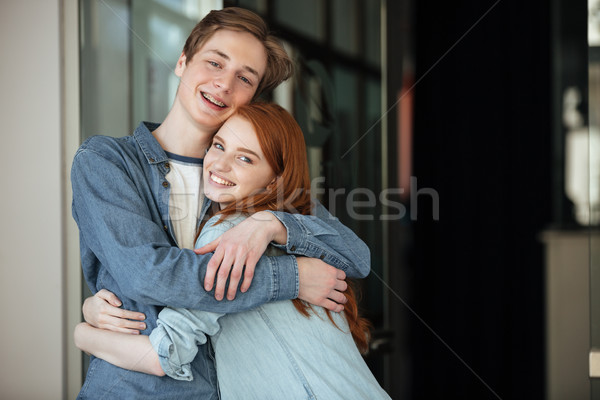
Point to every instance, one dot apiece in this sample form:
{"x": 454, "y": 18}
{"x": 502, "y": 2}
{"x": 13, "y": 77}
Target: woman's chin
{"x": 222, "y": 199}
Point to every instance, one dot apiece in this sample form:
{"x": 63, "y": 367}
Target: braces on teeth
{"x": 213, "y": 100}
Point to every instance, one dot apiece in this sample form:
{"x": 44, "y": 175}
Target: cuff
{"x": 164, "y": 348}
{"x": 285, "y": 278}
{"x": 295, "y": 232}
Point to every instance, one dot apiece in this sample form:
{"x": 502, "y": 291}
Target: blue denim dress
{"x": 269, "y": 352}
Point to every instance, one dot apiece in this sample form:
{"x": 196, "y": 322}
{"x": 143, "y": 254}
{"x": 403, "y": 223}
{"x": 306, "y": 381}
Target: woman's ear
{"x": 273, "y": 183}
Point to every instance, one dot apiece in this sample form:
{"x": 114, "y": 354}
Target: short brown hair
{"x": 279, "y": 65}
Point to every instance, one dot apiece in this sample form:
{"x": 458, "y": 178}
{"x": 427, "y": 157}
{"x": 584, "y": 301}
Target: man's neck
{"x": 176, "y": 135}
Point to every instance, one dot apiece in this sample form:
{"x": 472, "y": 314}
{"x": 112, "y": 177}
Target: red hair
{"x": 282, "y": 143}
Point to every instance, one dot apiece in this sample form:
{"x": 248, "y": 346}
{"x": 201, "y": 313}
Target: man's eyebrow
{"x": 226, "y": 57}
{"x": 220, "y": 53}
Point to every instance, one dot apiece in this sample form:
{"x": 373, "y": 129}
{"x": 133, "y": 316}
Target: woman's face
{"x": 234, "y": 166}
{"x": 222, "y": 75}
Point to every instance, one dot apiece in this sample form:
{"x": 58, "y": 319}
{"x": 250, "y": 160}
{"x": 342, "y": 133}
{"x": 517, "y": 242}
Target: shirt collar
{"x": 148, "y": 143}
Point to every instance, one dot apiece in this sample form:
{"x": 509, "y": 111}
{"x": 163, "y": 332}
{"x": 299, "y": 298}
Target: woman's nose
{"x": 222, "y": 163}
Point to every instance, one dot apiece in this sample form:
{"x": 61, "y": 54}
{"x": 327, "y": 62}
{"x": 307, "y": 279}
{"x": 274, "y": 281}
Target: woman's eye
{"x": 246, "y": 159}
{"x": 218, "y": 146}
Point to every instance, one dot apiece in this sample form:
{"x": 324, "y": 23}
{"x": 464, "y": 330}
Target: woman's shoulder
{"x": 226, "y": 223}
{"x": 213, "y": 228}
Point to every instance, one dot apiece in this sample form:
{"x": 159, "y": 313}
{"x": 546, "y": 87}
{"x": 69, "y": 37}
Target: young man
{"x": 138, "y": 203}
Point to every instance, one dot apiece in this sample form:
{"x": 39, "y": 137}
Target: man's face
{"x": 223, "y": 74}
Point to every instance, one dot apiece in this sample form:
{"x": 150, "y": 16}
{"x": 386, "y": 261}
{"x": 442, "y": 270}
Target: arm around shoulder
{"x": 323, "y": 236}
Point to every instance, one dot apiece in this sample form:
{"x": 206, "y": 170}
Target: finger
{"x": 121, "y": 325}
{"x": 208, "y": 248}
{"x": 340, "y": 274}
{"x": 222, "y": 276}
{"x": 110, "y": 297}
{"x": 337, "y": 297}
{"x": 211, "y": 269}
{"x": 121, "y": 330}
{"x": 249, "y": 271}
{"x": 126, "y": 314}
{"x": 331, "y": 305}
{"x": 341, "y": 285}
{"x": 234, "y": 278}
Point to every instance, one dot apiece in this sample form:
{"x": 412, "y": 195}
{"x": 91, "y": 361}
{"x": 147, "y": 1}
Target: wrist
{"x": 277, "y": 231}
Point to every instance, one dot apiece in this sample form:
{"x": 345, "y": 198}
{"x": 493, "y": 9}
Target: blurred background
{"x": 458, "y": 139}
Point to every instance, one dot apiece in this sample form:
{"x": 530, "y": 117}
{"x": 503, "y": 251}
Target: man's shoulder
{"x": 105, "y": 149}
{"x": 140, "y": 145}
{"x": 106, "y": 144}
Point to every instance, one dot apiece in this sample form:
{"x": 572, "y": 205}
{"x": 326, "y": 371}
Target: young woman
{"x": 280, "y": 350}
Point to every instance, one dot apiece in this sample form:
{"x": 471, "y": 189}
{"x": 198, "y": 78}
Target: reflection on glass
{"x": 305, "y": 17}
{"x": 372, "y": 31}
{"x": 104, "y": 68}
{"x": 578, "y": 164}
{"x": 594, "y": 186}
{"x": 344, "y": 25}
{"x": 594, "y": 141}
{"x": 594, "y": 23}
{"x": 259, "y": 6}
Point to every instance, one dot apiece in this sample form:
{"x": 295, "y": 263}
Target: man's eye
{"x": 214, "y": 64}
{"x": 245, "y": 80}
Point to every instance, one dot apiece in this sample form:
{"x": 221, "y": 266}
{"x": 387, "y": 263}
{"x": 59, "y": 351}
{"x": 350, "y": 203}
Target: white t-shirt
{"x": 186, "y": 197}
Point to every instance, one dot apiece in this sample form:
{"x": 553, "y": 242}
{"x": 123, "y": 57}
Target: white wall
{"x": 32, "y": 341}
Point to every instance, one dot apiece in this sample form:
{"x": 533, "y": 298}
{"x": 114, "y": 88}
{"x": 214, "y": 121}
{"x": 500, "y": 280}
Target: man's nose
{"x": 224, "y": 81}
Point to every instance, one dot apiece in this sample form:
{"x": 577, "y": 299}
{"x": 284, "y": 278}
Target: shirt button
{"x": 293, "y": 248}
{"x": 165, "y": 184}
{"x": 322, "y": 256}
{"x": 165, "y": 228}
{"x": 167, "y": 165}
{"x": 151, "y": 159}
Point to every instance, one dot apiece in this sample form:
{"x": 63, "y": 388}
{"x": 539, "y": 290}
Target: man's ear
{"x": 180, "y": 67}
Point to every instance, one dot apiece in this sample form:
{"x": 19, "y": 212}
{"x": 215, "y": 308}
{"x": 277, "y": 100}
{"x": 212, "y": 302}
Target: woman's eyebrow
{"x": 226, "y": 57}
{"x": 245, "y": 150}
{"x": 219, "y": 138}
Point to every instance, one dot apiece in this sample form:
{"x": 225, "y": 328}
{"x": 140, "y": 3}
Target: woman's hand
{"x": 102, "y": 311}
{"x": 240, "y": 246}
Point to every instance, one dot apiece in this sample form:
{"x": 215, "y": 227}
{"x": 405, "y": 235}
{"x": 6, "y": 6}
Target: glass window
{"x": 345, "y": 30}
{"x": 305, "y": 17}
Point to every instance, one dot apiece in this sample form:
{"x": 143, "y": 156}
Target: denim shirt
{"x": 127, "y": 245}
{"x": 269, "y": 352}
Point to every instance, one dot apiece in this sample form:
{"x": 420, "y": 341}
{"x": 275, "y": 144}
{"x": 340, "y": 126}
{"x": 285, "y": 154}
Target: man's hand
{"x": 321, "y": 284}
{"x": 102, "y": 311}
{"x": 240, "y": 246}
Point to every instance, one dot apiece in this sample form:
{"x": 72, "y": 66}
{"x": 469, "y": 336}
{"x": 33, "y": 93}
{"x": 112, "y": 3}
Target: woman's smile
{"x": 235, "y": 166}
{"x": 219, "y": 180}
